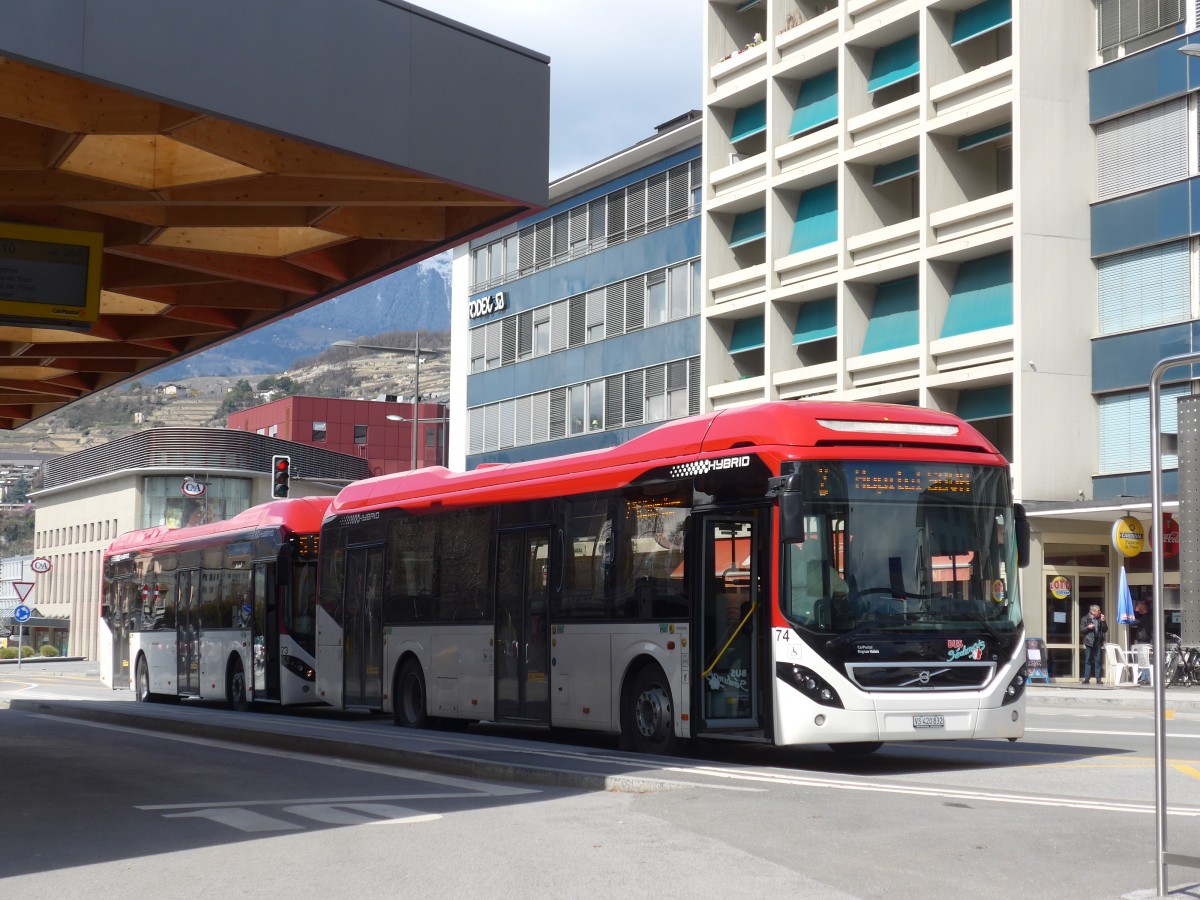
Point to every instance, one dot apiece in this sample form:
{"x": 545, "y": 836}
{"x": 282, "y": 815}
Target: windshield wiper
{"x": 981, "y": 620}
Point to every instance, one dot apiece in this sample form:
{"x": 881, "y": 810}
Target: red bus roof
{"x": 787, "y": 428}
{"x": 302, "y": 515}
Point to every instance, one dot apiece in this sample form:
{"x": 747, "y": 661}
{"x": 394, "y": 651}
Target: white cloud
{"x": 618, "y": 68}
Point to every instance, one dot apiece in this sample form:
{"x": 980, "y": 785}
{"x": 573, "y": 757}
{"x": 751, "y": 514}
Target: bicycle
{"x": 1181, "y": 666}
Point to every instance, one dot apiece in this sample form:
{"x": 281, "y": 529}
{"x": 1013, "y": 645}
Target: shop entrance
{"x": 1068, "y": 594}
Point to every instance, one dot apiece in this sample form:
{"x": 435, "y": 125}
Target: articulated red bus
{"x": 218, "y": 611}
{"x": 789, "y": 572}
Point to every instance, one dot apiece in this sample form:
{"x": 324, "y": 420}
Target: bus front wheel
{"x": 235, "y": 689}
{"x": 408, "y": 699}
{"x": 648, "y": 714}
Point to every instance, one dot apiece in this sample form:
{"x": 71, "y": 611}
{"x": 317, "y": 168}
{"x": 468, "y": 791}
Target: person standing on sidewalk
{"x": 1094, "y": 629}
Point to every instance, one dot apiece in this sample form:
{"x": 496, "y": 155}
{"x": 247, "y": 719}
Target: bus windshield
{"x": 890, "y": 547}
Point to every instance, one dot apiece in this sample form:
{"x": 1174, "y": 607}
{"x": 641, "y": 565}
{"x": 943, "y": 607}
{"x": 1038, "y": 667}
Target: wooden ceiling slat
{"x": 105, "y": 350}
{"x": 275, "y": 189}
{"x": 145, "y": 328}
{"x": 182, "y": 216}
{"x": 267, "y": 272}
{"x": 426, "y": 223}
{"x": 25, "y": 146}
{"x": 124, "y": 275}
{"x": 222, "y": 296}
{"x": 48, "y": 388}
{"x": 284, "y": 156}
{"x": 51, "y": 99}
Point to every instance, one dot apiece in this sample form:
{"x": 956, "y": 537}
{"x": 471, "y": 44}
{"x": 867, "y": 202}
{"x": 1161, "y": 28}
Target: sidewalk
{"x": 1072, "y": 693}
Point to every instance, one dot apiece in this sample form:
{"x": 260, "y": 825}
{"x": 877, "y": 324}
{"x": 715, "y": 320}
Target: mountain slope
{"x": 417, "y": 297}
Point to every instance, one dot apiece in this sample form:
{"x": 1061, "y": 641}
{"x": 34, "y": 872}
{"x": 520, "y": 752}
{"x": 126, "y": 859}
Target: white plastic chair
{"x": 1142, "y": 662}
{"x": 1119, "y": 663}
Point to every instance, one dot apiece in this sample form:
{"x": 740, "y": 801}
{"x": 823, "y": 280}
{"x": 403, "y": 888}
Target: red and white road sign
{"x": 23, "y": 589}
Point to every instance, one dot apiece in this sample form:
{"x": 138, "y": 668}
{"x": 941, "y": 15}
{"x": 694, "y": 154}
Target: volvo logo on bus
{"x": 704, "y": 466}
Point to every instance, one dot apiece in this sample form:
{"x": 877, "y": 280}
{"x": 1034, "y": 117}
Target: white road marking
{"x": 951, "y": 793}
{"x": 241, "y": 819}
{"x": 359, "y": 813}
{"x": 1149, "y": 734}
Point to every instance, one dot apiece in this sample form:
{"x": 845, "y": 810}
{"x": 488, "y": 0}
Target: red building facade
{"x": 356, "y": 427}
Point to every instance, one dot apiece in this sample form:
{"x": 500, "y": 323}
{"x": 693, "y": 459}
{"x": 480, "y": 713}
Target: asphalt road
{"x": 113, "y": 809}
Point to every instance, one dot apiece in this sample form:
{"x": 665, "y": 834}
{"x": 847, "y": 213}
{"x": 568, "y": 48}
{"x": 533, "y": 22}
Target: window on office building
{"x": 1125, "y": 429}
{"x": 360, "y": 434}
{"x": 1143, "y": 149}
{"x": 1144, "y": 288}
{"x": 1125, "y": 27}
{"x": 318, "y": 432}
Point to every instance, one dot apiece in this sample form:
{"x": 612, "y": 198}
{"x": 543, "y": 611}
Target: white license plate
{"x": 929, "y": 721}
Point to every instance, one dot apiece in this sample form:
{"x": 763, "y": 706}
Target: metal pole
{"x": 1160, "y": 737}
{"x": 20, "y": 644}
{"x": 416, "y": 423}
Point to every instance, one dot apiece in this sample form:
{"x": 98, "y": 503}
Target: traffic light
{"x": 281, "y": 475}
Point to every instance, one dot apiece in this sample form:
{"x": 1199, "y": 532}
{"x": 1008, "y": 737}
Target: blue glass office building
{"x": 577, "y": 328}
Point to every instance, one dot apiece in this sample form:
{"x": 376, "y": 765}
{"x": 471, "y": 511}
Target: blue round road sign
{"x": 21, "y": 613}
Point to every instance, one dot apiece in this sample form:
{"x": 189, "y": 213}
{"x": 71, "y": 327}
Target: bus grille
{"x": 946, "y": 676}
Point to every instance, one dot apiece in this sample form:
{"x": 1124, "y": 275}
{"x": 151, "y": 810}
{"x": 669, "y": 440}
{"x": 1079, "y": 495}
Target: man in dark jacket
{"x": 1093, "y": 628}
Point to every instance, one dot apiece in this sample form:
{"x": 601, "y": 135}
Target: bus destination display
{"x": 870, "y": 479}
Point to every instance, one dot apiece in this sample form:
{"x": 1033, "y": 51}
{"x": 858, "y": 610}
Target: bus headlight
{"x": 809, "y": 683}
{"x": 299, "y": 668}
{"x": 1014, "y": 690}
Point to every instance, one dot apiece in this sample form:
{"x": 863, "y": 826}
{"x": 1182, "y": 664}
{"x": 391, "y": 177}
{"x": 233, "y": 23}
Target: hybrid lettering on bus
{"x": 788, "y": 572}
{"x": 222, "y": 611}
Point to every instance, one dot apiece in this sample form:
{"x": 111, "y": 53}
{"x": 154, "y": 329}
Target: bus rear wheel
{"x": 648, "y": 714}
{"x": 408, "y": 698}
{"x": 141, "y": 682}
{"x": 235, "y": 689}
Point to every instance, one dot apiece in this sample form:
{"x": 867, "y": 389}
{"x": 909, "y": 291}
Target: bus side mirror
{"x": 791, "y": 507}
{"x": 1022, "y": 523}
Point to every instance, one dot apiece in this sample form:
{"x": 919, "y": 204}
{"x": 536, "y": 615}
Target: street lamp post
{"x": 416, "y": 350}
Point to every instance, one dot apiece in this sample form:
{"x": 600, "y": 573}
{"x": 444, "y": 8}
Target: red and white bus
{"x": 789, "y": 572}
{"x": 223, "y": 611}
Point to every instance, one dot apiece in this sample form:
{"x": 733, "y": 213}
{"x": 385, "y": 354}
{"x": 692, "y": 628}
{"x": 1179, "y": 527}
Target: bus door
{"x": 523, "y": 579}
{"x": 187, "y": 632}
{"x": 363, "y": 634}
{"x": 732, "y": 622}
{"x": 266, "y": 633}
{"x": 118, "y": 616}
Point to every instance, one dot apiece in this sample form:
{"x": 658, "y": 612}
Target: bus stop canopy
{"x": 241, "y": 161}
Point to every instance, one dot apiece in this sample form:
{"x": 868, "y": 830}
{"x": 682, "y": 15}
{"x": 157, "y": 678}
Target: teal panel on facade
{"x": 817, "y": 104}
{"x": 979, "y": 138}
{"x": 816, "y": 218}
{"x": 749, "y": 226}
{"x": 749, "y": 120}
{"x": 747, "y": 335}
{"x": 895, "y": 63}
{"x": 817, "y": 321}
{"x": 982, "y": 297}
{"x": 985, "y": 403}
{"x": 980, "y": 19}
{"x": 894, "y": 322}
{"x": 894, "y": 171}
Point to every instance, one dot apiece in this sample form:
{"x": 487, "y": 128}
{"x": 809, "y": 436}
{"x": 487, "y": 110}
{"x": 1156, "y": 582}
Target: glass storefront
{"x": 164, "y": 502}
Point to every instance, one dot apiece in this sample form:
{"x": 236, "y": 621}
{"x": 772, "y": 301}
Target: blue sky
{"x": 618, "y": 68}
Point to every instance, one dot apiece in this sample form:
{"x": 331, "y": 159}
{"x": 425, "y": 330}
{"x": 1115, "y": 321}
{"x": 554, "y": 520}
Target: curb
{"x": 424, "y": 760}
